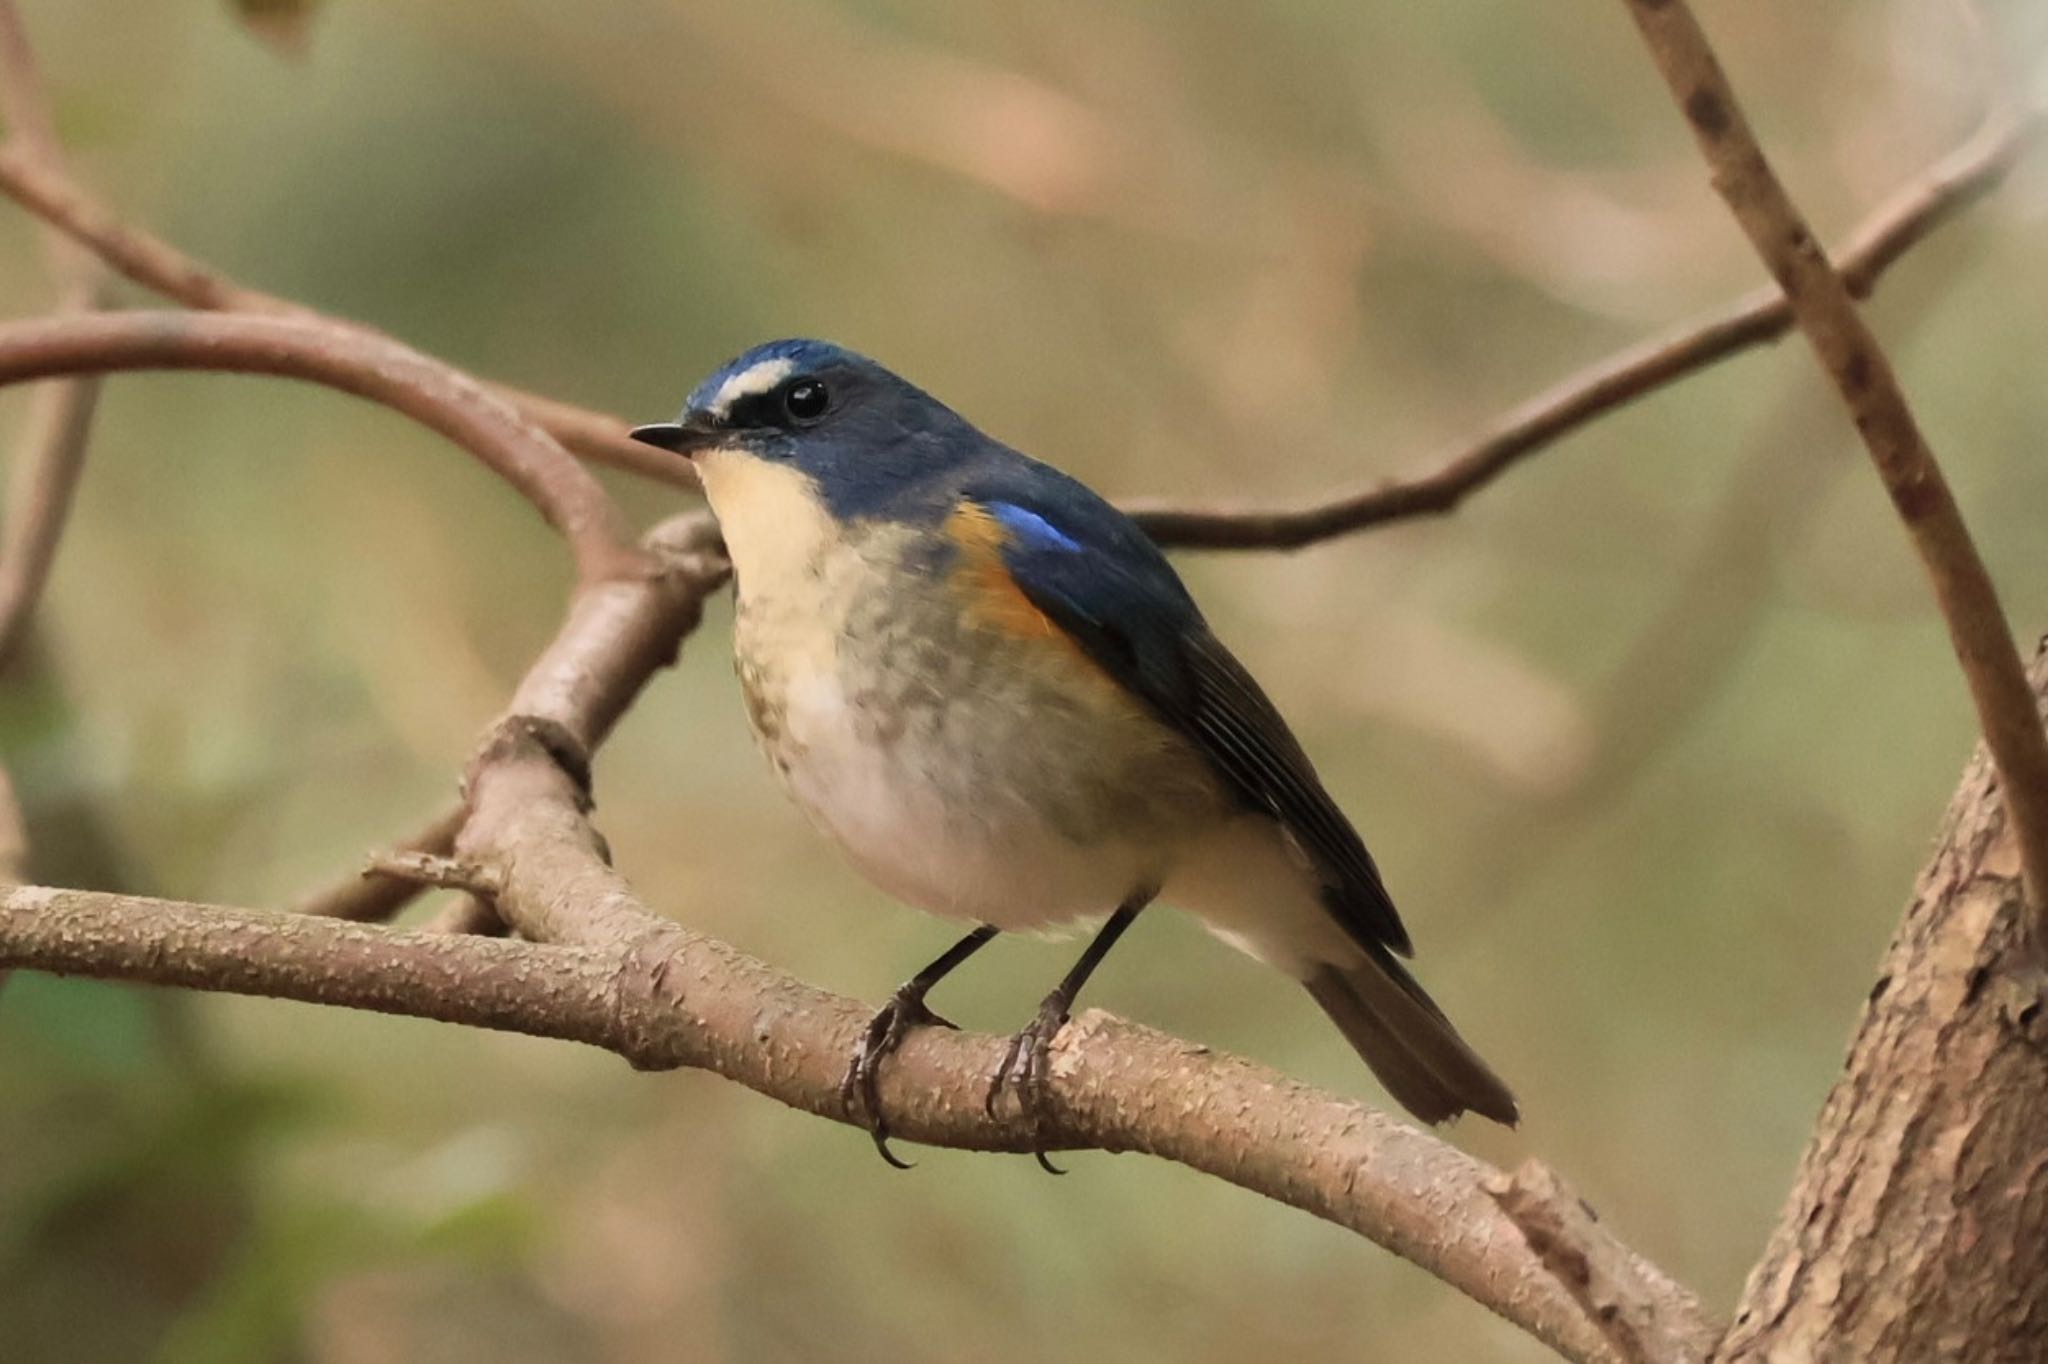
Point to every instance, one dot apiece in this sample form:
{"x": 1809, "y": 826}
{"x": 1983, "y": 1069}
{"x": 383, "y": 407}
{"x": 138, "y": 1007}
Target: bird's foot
{"x": 860, "y": 1091}
{"x": 1027, "y": 1070}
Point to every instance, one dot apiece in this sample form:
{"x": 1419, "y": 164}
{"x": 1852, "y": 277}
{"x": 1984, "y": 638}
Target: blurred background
{"x": 1650, "y": 737}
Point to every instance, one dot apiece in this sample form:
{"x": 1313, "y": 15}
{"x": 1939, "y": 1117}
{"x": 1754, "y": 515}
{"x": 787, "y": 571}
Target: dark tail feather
{"x": 1409, "y": 1043}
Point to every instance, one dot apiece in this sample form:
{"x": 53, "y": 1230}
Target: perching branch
{"x": 1958, "y": 180}
{"x": 672, "y": 998}
{"x": 429, "y": 391}
{"x": 1863, "y": 376}
{"x": 615, "y": 975}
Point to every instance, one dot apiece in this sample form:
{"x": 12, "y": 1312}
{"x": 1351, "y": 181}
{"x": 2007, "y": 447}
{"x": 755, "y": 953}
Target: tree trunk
{"x": 1917, "y": 1230}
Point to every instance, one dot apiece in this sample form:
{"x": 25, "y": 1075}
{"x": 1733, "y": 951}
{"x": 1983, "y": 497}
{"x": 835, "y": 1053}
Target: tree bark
{"x": 1917, "y": 1230}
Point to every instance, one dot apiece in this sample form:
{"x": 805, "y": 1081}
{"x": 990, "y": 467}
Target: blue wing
{"x": 1097, "y": 576}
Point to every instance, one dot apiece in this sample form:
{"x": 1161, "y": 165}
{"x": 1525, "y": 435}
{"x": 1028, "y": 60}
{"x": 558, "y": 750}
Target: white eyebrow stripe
{"x": 749, "y": 381}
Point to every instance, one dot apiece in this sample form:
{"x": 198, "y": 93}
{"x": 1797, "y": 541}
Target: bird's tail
{"x": 1408, "y": 1042}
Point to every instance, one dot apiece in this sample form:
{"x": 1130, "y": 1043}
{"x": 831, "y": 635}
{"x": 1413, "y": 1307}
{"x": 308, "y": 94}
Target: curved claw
{"x": 860, "y": 1090}
{"x": 1027, "y": 1068}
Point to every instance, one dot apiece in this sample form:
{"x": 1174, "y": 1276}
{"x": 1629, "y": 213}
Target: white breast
{"x": 913, "y": 811}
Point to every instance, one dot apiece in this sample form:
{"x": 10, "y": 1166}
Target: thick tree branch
{"x": 355, "y": 361}
{"x": 1958, "y": 180}
{"x": 1914, "y": 1227}
{"x": 1863, "y": 376}
{"x": 673, "y": 998}
{"x": 616, "y": 975}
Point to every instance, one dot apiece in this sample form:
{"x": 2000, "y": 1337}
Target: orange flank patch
{"x": 991, "y": 596}
{"x": 989, "y": 593}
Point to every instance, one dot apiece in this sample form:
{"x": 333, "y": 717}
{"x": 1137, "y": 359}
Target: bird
{"x": 992, "y": 690}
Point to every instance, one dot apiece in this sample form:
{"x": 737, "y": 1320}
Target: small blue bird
{"x": 993, "y": 691}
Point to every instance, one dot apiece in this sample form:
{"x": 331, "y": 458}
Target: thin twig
{"x": 437, "y": 870}
{"x": 13, "y": 834}
{"x": 431, "y": 392}
{"x": 1863, "y": 376}
{"x": 39, "y": 494}
{"x": 62, "y": 202}
{"x": 644, "y": 627}
{"x": 1959, "y": 179}
{"x": 54, "y": 440}
{"x": 13, "y": 844}
{"x": 367, "y": 896}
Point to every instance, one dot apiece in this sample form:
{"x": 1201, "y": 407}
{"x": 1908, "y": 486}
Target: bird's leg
{"x": 886, "y": 1031}
{"x": 1026, "y": 1065}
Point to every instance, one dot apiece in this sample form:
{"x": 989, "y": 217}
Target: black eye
{"x": 805, "y": 400}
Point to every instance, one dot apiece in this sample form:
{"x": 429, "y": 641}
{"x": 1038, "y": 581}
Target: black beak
{"x": 678, "y": 438}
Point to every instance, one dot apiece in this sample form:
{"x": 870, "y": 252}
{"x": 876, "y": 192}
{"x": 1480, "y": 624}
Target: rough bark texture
{"x": 1918, "y": 1227}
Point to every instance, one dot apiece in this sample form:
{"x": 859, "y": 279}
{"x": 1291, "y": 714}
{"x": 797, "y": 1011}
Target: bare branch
{"x": 371, "y": 897}
{"x": 53, "y": 447}
{"x": 1863, "y": 376}
{"x": 635, "y": 630}
{"x": 64, "y": 204}
{"x": 39, "y": 495}
{"x": 564, "y": 992}
{"x": 1913, "y": 1229}
{"x": 678, "y": 999}
{"x": 1645, "y": 1317}
{"x": 13, "y": 834}
{"x": 433, "y": 869}
{"x": 1958, "y": 180}
{"x": 370, "y": 366}
{"x": 13, "y": 844}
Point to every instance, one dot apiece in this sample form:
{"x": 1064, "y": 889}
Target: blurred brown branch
{"x": 1862, "y": 373}
{"x": 39, "y": 493}
{"x": 368, "y": 365}
{"x": 1973, "y": 170}
{"x": 53, "y": 446}
{"x": 1966, "y": 175}
{"x": 45, "y": 190}
{"x": 13, "y": 834}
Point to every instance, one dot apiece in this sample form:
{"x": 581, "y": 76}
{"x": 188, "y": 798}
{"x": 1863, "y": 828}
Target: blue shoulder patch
{"x": 1032, "y": 528}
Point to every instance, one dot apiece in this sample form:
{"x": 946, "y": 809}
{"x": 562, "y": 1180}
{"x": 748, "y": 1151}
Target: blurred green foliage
{"x": 1650, "y": 737}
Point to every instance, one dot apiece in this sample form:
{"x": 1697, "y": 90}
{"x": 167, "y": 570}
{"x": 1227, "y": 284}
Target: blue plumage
{"x": 995, "y": 691}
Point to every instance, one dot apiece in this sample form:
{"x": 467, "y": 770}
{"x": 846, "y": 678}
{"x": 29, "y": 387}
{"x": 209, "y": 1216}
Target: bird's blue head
{"x": 859, "y": 436}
